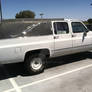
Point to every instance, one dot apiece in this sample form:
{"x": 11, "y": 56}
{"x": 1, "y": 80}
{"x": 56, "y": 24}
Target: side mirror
{"x": 85, "y": 33}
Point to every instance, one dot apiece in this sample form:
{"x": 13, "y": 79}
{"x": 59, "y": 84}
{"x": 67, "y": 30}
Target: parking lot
{"x": 72, "y": 73}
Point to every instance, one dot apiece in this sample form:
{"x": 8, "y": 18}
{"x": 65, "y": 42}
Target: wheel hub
{"x": 36, "y": 63}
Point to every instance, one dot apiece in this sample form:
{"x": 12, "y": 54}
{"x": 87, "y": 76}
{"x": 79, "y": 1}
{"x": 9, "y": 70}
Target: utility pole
{"x": 0, "y": 11}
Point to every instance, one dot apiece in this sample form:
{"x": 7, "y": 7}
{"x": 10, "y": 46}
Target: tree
{"x": 25, "y": 14}
{"x": 89, "y": 21}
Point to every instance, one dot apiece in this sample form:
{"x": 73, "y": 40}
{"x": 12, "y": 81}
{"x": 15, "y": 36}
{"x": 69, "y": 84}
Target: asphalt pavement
{"x": 71, "y": 73}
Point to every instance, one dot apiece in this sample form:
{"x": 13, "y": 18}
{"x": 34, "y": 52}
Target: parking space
{"x": 70, "y": 73}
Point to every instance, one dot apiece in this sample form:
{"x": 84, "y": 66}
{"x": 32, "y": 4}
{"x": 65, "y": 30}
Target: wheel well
{"x": 46, "y": 52}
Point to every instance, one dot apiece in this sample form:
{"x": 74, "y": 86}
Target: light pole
{"x": 41, "y": 14}
{"x": 0, "y": 10}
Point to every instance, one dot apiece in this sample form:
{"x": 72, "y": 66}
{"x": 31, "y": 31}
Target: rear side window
{"x": 41, "y": 30}
{"x": 61, "y": 28}
{"x": 11, "y": 29}
{"x": 78, "y": 27}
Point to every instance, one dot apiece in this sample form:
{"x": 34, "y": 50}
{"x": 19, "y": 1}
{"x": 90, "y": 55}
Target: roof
{"x": 30, "y": 20}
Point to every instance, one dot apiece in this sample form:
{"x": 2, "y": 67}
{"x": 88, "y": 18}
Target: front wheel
{"x": 35, "y": 64}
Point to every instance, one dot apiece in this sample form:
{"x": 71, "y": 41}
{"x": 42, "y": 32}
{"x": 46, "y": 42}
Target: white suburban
{"x": 43, "y": 40}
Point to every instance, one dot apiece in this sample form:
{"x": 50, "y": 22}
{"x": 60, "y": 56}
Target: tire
{"x": 35, "y": 64}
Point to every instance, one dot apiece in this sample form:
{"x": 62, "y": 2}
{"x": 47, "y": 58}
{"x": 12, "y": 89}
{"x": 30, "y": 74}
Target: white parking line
{"x": 50, "y": 78}
{"x": 13, "y": 82}
{"x": 56, "y": 76}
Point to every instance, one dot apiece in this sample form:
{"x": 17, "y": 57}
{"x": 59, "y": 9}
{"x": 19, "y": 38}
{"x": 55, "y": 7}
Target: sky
{"x": 70, "y": 9}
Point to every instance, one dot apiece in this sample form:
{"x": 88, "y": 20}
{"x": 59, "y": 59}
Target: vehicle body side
{"x": 14, "y": 50}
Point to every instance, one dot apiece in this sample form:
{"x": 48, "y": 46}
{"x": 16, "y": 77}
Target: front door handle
{"x": 56, "y": 37}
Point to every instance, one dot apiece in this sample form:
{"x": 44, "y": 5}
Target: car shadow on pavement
{"x": 14, "y": 70}
{"x": 68, "y": 59}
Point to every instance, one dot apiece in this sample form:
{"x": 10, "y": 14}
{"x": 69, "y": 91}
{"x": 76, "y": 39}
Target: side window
{"x": 78, "y": 27}
{"x": 41, "y": 30}
{"x": 61, "y": 28}
{"x": 89, "y": 27}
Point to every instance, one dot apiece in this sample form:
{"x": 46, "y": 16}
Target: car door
{"x": 81, "y": 37}
{"x": 62, "y": 38}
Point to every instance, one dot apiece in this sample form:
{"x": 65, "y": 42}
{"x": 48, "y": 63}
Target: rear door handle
{"x": 73, "y": 35}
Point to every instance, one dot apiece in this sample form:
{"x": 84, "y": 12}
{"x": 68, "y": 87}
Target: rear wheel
{"x": 35, "y": 64}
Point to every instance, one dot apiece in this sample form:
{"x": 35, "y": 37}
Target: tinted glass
{"x": 40, "y": 30}
{"x": 11, "y": 30}
{"x": 89, "y": 27}
{"x": 78, "y": 27}
{"x": 61, "y": 28}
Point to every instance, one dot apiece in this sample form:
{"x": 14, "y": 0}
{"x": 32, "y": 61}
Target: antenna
{"x": 0, "y": 11}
